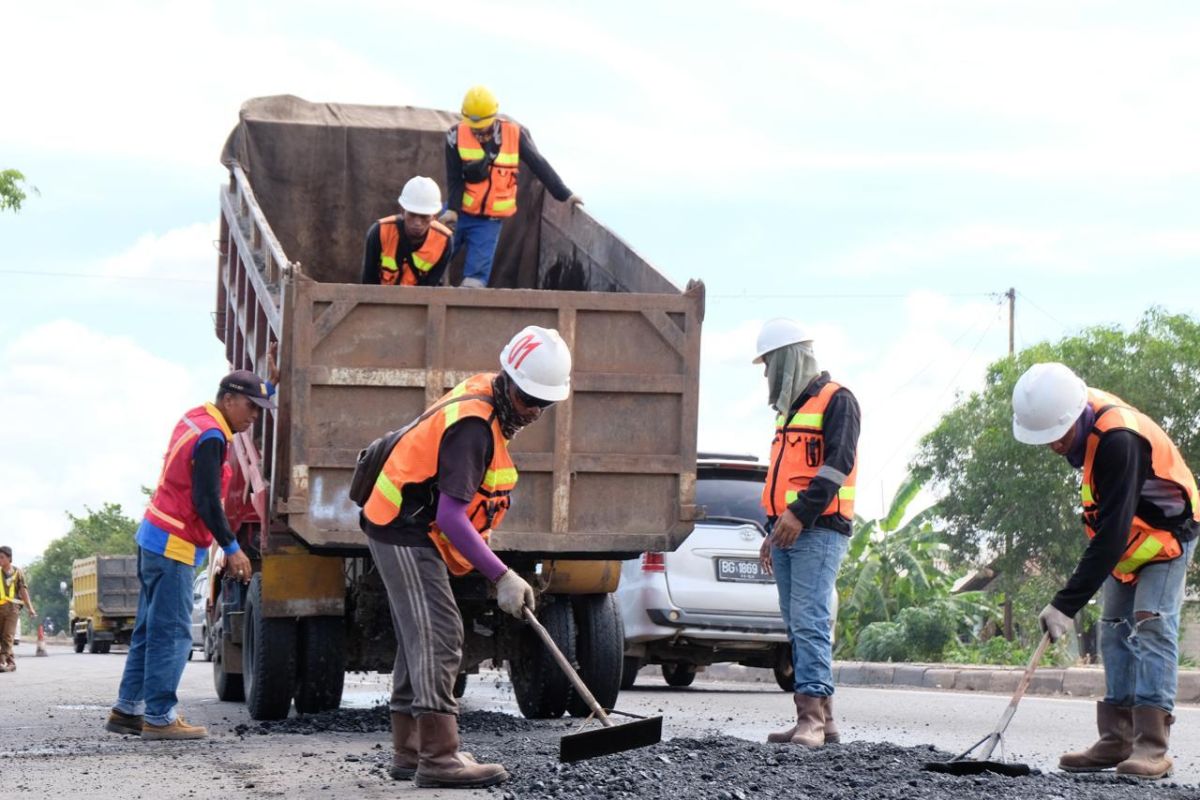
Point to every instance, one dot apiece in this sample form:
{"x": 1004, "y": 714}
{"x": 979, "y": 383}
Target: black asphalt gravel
{"x": 724, "y": 768}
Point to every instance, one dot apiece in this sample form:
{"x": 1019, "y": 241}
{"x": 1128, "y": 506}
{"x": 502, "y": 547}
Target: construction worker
{"x": 184, "y": 516}
{"x": 410, "y": 248}
{"x": 809, "y": 499}
{"x": 14, "y": 593}
{"x": 1141, "y": 513}
{"x": 483, "y": 155}
{"x": 444, "y": 487}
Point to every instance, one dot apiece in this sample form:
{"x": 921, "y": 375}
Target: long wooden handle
{"x": 1026, "y": 679}
{"x": 570, "y": 672}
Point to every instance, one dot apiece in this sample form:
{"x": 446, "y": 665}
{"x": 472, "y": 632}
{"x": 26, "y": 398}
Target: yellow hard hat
{"x": 479, "y": 107}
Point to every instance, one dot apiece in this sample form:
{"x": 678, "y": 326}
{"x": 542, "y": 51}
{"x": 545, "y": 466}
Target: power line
{"x": 44, "y": 274}
{"x": 845, "y": 296}
{"x": 1052, "y": 318}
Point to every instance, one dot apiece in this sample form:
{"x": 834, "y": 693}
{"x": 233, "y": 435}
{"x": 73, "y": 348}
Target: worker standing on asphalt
{"x": 1141, "y": 511}
{"x": 410, "y": 248}
{"x": 483, "y": 155}
{"x": 444, "y": 487}
{"x": 185, "y": 514}
{"x": 14, "y": 592}
{"x": 809, "y": 499}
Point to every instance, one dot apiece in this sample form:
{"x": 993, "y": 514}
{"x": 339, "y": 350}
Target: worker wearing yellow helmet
{"x": 484, "y": 153}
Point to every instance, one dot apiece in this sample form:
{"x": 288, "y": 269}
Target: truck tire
{"x": 93, "y": 646}
{"x": 629, "y": 670}
{"x": 785, "y": 673}
{"x": 538, "y": 682}
{"x": 599, "y": 651}
{"x": 103, "y": 647}
{"x": 268, "y": 659}
{"x": 460, "y": 685}
{"x": 228, "y": 685}
{"x": 678, "y": 674}
{"x": 321, "y": 664}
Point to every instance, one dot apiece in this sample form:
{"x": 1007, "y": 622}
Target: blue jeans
{"x": 1141, "y": 658}
{"x": 805, "y": 575}
{"x": 162, "y": 639}
{"x": 479, "y": 235}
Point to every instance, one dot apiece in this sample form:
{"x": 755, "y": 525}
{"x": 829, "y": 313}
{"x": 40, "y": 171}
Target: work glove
{"x": 1054, "y": 622}
{"x": 513, "y": 594}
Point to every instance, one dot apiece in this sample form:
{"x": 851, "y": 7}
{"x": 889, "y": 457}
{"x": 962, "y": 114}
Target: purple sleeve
{"x": 452, "y": 519}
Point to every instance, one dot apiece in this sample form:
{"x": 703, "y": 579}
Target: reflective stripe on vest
{"x": 798, "y": 454}
{"x": 405, "y": 272}
{"x": 495, "y": 195}
{"x": 1144, "y": 544}
{"x": 8, "y": 588}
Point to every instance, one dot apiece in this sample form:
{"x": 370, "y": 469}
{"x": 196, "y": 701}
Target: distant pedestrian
{"x": 1141, "y": 511}
{"x": 809, "y": 498}
{"x": 410, "y": 248}
{"x": 14, "y": 593}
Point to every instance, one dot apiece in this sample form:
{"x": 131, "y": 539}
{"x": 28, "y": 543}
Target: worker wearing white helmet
{"x": 444, "y": 487}
{"x": 410, "y": 248}
{"x": 1141, "y": 511}
{"x": 809, "y": 499}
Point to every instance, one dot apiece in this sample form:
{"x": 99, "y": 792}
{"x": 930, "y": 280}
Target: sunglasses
{"x": 533, "y": 402}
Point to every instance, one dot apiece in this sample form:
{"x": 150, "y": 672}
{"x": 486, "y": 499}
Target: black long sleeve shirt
{"x": 373, "y": 248}
{"x": 206, "y": 489}
{"x": 529, "y": 156}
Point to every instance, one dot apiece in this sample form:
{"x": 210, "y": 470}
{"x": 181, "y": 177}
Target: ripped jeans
{"x": 1139, "y": 634}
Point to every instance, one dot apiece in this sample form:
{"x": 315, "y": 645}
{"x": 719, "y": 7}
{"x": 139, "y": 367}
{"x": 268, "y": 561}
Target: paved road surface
{"x": 53, "y": 709}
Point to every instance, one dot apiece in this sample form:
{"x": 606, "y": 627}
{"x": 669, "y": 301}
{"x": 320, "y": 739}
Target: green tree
{"x": 1020, "y": 504}
{"x": 104, "y": 532}
{"x": 12, "y": 193}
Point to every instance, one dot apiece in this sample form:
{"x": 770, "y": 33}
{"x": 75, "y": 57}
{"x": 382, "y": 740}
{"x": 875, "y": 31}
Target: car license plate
{"x": 741, "y": 570}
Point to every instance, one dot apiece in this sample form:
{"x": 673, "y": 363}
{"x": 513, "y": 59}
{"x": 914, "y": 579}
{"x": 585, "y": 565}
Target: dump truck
{"x": 605, "y": 475}
{"x": 104, "y": 601}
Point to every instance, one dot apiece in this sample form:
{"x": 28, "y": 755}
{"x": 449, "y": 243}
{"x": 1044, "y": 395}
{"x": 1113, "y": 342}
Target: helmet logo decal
{"x": 521, "y": 349}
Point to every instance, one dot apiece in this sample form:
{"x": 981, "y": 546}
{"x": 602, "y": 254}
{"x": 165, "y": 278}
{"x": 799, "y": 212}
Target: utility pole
{"x": 1010, "y": 578}
{"x": 1011, "y": 294}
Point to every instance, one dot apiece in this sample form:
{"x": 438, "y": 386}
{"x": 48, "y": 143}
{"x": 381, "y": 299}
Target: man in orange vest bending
{"x": 410, "y": 248}
{"x": 483, "y": 155}
{"x": 809, "y": 498}
{"x": 185, "y": 514}
{"x": 445, "y": 485}
{"x": 1141, "y": 512}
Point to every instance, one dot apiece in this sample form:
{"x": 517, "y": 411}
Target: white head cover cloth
{"x": 790, "y": 369}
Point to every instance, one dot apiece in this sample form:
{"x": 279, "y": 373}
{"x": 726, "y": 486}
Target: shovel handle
{"x": 1026, "y": 679}
{"x": 567, "y": 669}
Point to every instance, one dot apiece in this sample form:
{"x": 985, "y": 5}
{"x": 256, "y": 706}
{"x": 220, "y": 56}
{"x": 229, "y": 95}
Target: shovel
{"x": 601, "y": 741}
{"x": 961, "y": 765}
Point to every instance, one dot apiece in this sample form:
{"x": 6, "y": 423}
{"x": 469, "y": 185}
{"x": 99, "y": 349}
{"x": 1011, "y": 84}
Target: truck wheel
{"x": 268, "y": 659}
{"x": 321, "y": 668}
{"x": 679, "y": 675}
{"x": 460, "y": 684}
{"x": 79, "y": 639}
{"x": 208, "y": 646}
{"x": 599, "y": 651}
{"x": 629, "y": 670}
{"x": 93, "y": 646}
{"x": 538, "y": 682}
{"x": 785, "y": 673}
{"x": 103, "y": 647}
{"x": 228, "y": 684}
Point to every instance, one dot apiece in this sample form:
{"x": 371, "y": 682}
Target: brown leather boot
{"x": 440, "y": 762}
{"x": 782, "y": 737}
{"x": 128, "y": 724}
{"x": 179, "y": 729}
{"x": 810, "y": 721}
{"x": 1151, "y": 733}
{"x": 405, "y": 746}
{"x": 831, "y": 732}
{"x": 1115, "y": 724}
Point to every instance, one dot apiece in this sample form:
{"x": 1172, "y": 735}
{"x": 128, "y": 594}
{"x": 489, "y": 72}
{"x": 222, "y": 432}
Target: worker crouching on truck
{"x": 809, "y": 499}
{"x": 13, "y": 593}
{"x": 1140, "y": 510}
{"x": 410, "y": 248}
{"x": 185, "y": 514}
{"x": 444, "y": 487}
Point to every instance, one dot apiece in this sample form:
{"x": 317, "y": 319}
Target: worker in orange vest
{"x": 809, "y": 499}
{"x": 484, "y": 153}
{"x": 1141, "y": 512}
{"x": 444, "y": 487}
{"x": 410, "y": 248}
{"x": 13, "y": 594}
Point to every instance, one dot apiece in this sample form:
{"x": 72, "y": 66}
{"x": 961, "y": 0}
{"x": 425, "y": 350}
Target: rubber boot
{"x": 442, "y": 765}
{"x": 831, "y": 732}
{"x": 1151, "y": 734}
{"x": 1115, "y": 724}
{"x": 810, "y": 721}
{"x": 405, "y": 747}
{"x": 782, "y": 737}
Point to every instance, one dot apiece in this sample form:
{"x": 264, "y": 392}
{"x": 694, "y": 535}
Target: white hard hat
{"x": 777, "y": 333}
{"x": 539, "y": 362}
{"x": 421, "y": 195}
{"x": 1046, "y": 401}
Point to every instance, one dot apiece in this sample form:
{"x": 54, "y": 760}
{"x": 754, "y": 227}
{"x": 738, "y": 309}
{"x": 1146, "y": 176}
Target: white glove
{"x": 513, "y": 594}
{"x": 1054, "y": 622}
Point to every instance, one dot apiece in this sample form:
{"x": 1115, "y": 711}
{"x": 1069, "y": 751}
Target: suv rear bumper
{"x": 717, "y": 626}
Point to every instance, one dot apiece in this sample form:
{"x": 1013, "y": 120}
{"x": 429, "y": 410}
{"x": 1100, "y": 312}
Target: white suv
{"x": 709, "y": 601}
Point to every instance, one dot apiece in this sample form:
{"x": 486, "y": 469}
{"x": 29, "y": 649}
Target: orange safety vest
{"x": 414, "y": 460}
{"x": 423, "y": 259}
{"x": 496, "y": 195}
{"x": 1145, "y": 544}
{"x": 797, "y": 455}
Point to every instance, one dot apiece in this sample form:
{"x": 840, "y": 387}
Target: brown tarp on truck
{"x": 324, "y": 172}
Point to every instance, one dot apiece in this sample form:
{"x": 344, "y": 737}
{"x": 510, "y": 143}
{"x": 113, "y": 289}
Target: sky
{"x": 880, "y": 171}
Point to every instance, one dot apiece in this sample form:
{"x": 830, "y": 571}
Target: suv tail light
{"x": 653, "y": 562}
